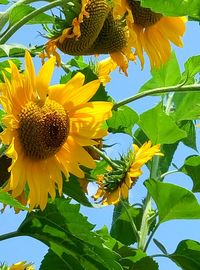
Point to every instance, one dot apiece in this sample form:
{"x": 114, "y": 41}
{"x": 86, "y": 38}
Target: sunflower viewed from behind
{"x": 150, "y": 32}
{"x": 47, "y": 128}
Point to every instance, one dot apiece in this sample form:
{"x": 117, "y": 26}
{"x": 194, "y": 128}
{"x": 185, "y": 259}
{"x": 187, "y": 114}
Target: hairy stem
{"x": 180, "y": 88}
{"x": 9, "y": 235}
{"x": 144, "y": 229}
{"x": 105, "y": 157}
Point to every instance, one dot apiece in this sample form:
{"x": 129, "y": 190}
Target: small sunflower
{"x": 21, "y": 266}
{"x": 149, "y": 31}
{"x": 115, "y": 184}
{"x": 47, "y": 128}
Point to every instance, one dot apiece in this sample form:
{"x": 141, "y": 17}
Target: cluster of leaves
{"x": 73, "y": 243}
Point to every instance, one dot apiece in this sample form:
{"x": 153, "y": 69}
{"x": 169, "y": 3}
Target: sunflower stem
{"x": 179, "y": 88}
{"x": 9, "y": 235}
{"x": 144, "y": 229}
{"x": 27, "y": 18}
{"x": 168, "y": 173}
{"x": 105, "y": 157}
{"x": 135, "y": 231}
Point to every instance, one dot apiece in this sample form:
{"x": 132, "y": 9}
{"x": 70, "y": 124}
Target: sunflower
{"x": 96, "y": 33}
{"x": 115, "y": 184}
{"x": 149, "y": 31}
{"x": 21, "y": 266}
{"x": 47, "y": 128}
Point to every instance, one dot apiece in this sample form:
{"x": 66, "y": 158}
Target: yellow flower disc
{"x": 43, "y": 128}
{"x": 143, "y": 16}
{"x": 90, "y": 29}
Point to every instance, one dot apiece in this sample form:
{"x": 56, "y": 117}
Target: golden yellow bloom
{"x": 149, "y": 31}
{"x": 47, "y": 128}
{"x": 111, "y": 191}
{"x": 21, "y": 266}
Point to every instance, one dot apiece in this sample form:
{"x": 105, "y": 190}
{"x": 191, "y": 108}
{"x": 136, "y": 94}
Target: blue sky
{"x": 169, "y": 233}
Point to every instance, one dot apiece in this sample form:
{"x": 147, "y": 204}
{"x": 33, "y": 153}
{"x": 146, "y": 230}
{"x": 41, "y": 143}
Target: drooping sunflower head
{"x": 149, "y": 31}
{"x": 47, "y": 128}
{"x": 94, "y": 31}
{"x": 115, "y": 184}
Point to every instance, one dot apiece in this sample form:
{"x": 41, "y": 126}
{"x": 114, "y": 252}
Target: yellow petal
{"x": 60, "y": 93}
{"x": 44, "y": 77}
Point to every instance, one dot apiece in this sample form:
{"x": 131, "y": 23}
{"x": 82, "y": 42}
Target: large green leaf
{"x": 173, "y": 202}
{"x": 191, "y": 167}
{"x": 187, "y": 106}
{"x": 122, "y": 120}
{"x": 190, "y": 128}
{"x": 168, "y": 75}
{"x": 7, "y": 199}
{"x": 69, "y": 235}
{"x": 168, "y": 151}
{"x": 73, "y": 189}
{"x": 121, "y": 223}
{"x": 174, "y": 8}
{"x": 4, "y": 2}
{"x": 142, "y": 264}
{"x": 192, "y": 68}
{"x": 18, "y": 12}
{"x": 187, "y": 255}
{"x": 17, "y": 50}
{"x": 159, "y": 127}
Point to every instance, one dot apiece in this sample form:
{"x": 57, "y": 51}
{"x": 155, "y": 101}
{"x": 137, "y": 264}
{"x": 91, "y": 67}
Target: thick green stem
{"x": 180, "y": 88}
{"x": 27, "y": 18}
{"x": 144, "y": 229}
{"x": 9, "y": 235}
{"x": 105, "y": 157}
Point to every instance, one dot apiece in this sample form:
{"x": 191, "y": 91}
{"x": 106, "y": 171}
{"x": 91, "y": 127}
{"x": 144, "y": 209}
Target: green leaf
{"x": 168, "y": 75}
{"x": 22, "y": 10}
{"x": 174, "y": 8}
{"x": 192, "y": 68}
{"x": 187, "y": 106}
{"x": 121, "y": 223}
{"x": 187, "y": 255}
{"x": 190, "y": 128}
{"x": 122, "y": 120}
{"x": 173, "y": 202}
{"x": 17, "y": 50}
{"x": 191, "y": 167}
{"x": 51, "y": 260}
{"x": 142, "y": 264}
{"x": 7, "y": 199}
{"x": 160, "y": 246}
{"x": 168, "y": 151}
{"x": 4, "y": 2}
{"x": 69, "y": 235}
{"x": 159, "y": 127}
{"x": 73, "y": 189}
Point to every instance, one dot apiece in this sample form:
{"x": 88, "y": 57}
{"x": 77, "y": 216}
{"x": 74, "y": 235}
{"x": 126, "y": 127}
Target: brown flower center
{"x": 143, "y": 16}
{"x": 43, "y": 128}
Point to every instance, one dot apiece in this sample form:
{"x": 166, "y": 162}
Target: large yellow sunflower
{"x": 149, "y": 31}
{"x": 114, "y": 185}
{"x": 47, "y": 128}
